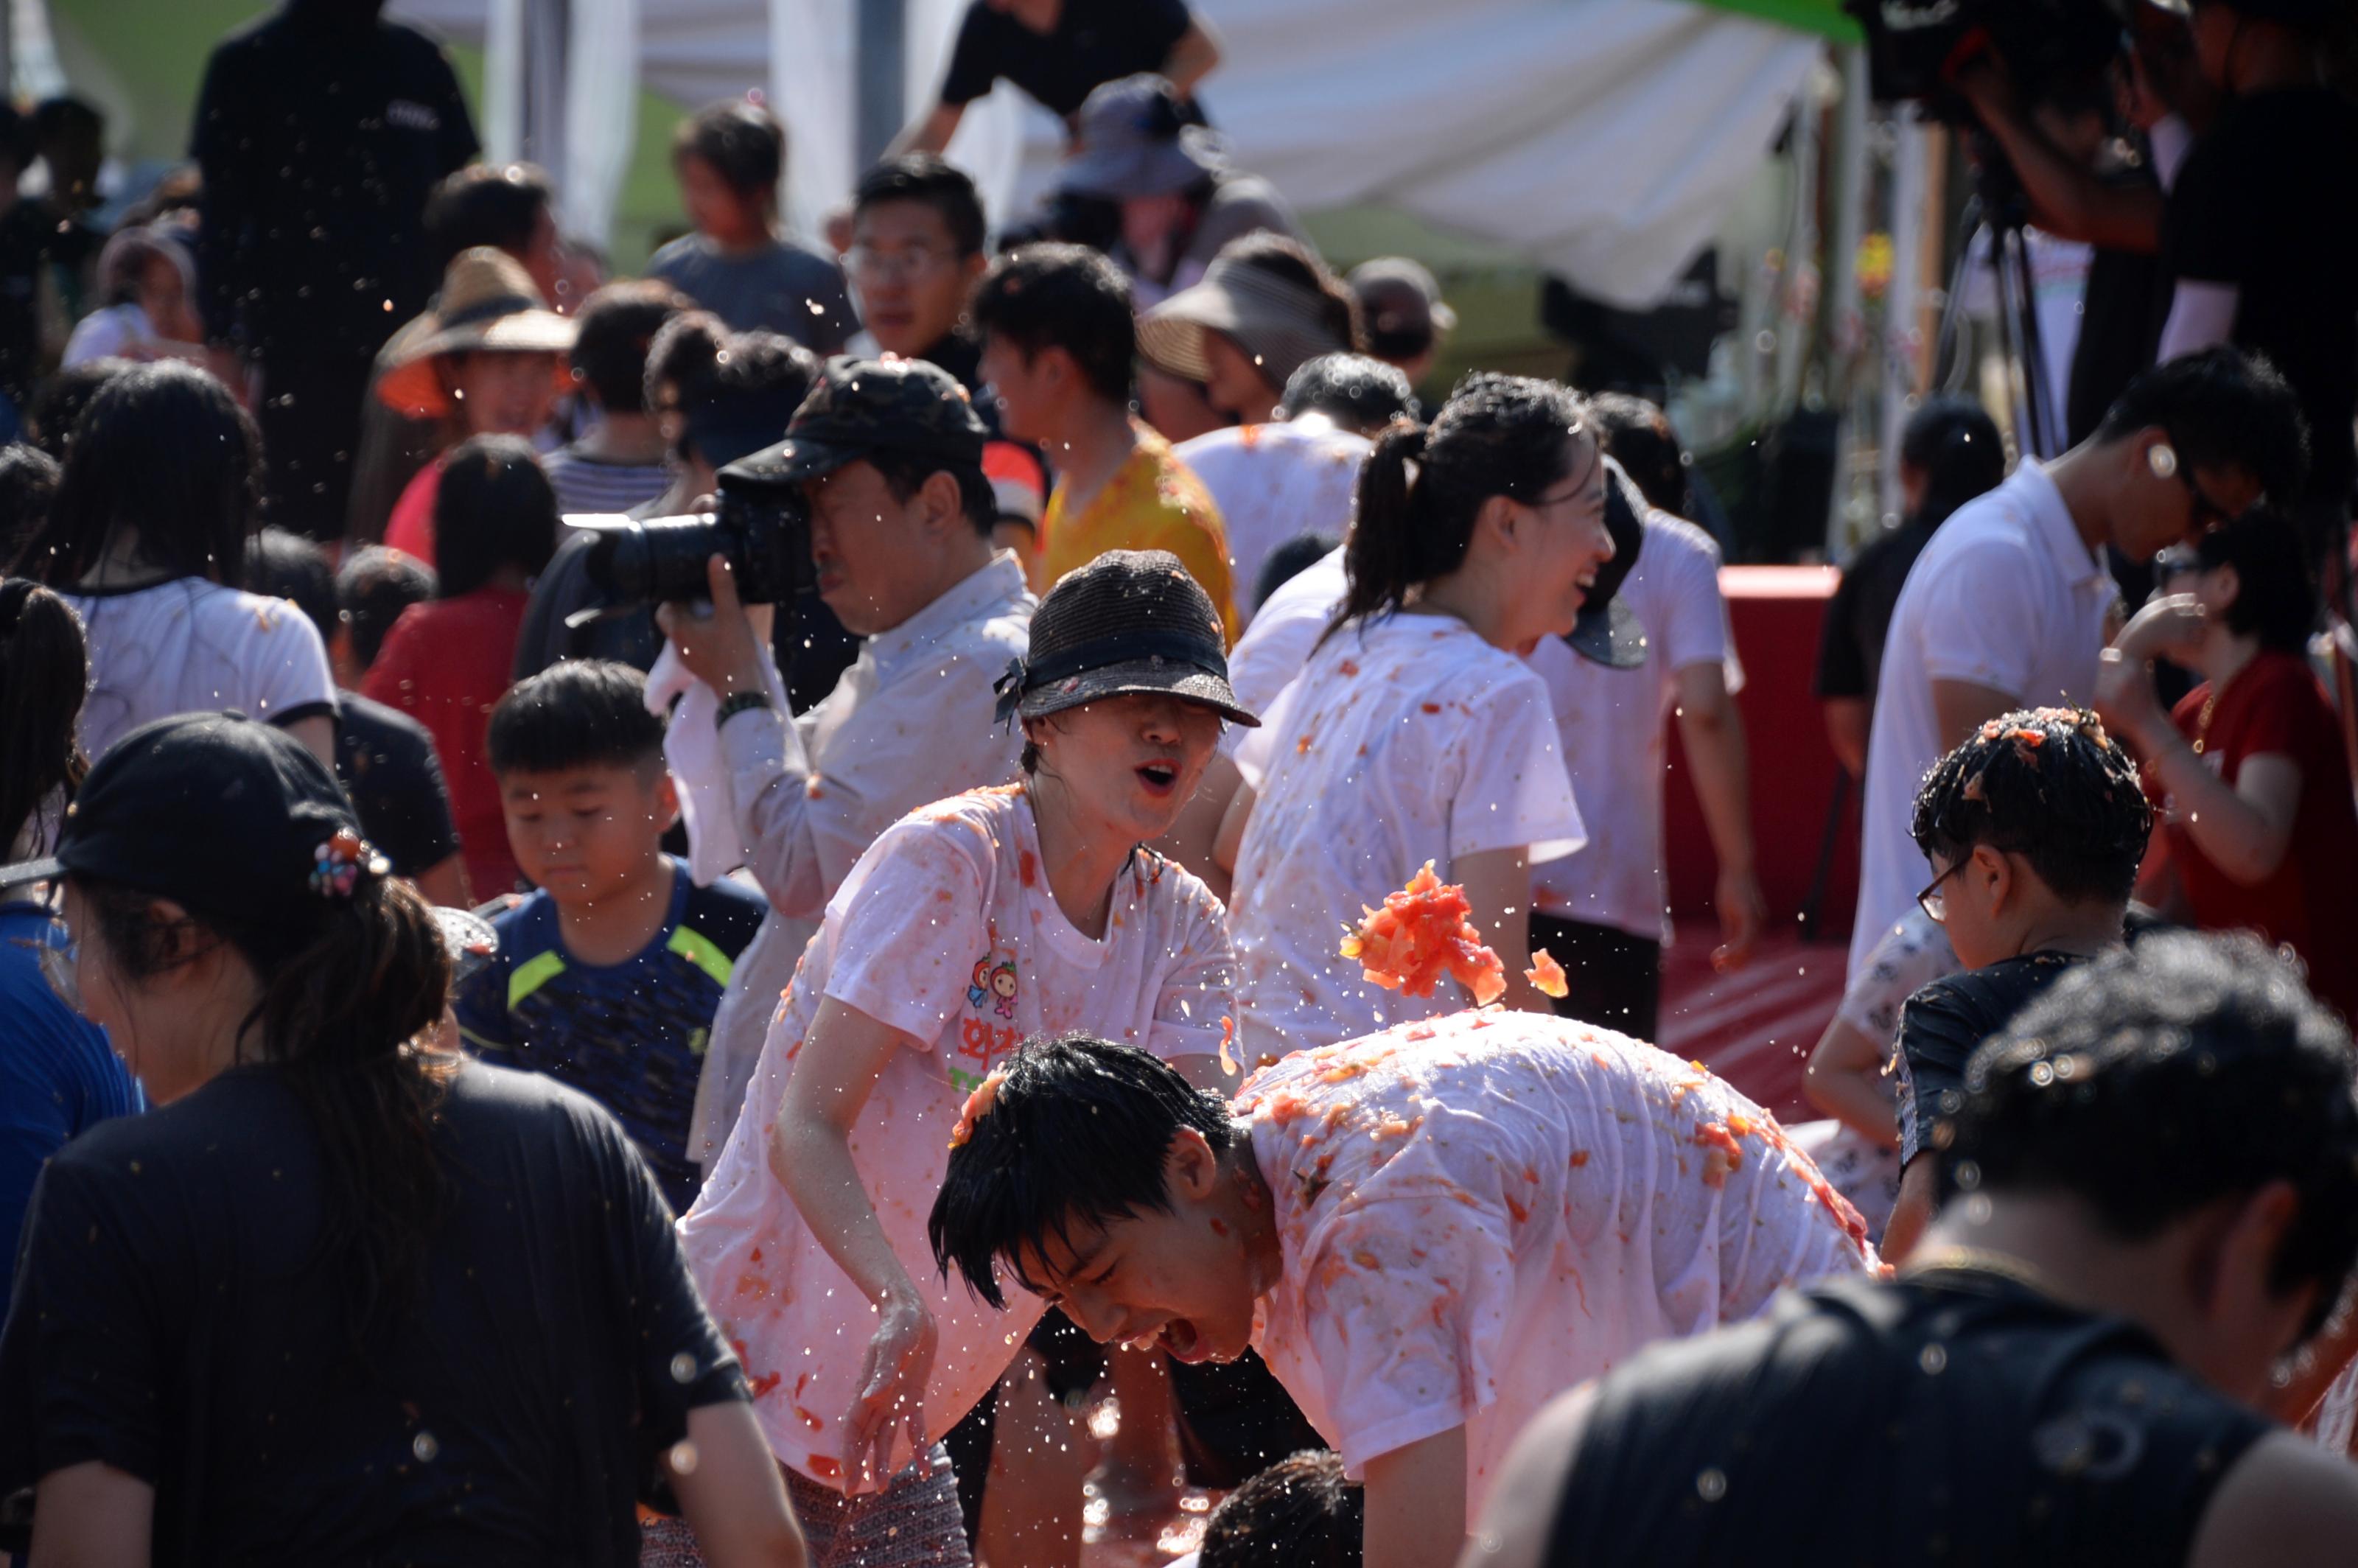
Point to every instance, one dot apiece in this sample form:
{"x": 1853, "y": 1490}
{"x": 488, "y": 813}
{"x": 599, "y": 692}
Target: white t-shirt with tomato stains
{"x": 944, "y": 930}
{"x": 1405, "y": 739}
{"x": 1480, "y": 1212}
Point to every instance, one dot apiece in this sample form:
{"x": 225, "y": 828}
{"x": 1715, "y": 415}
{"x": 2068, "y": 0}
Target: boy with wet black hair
{"x": 2034, "y": 828}
{"x": 1298, "y": 1513}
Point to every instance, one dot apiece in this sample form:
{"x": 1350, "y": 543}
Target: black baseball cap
{"x": 1131, "y": 621}
{"x": 218, "y": 813}
{"x": 1607, "y": 631}
{"x": 860, "y": 406}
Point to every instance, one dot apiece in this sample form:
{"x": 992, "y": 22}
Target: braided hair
{"x": 2046, "y": 783}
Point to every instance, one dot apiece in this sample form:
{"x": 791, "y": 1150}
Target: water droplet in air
{"x": 425, "y": 1447}
{"x": 1712, "y": 1485}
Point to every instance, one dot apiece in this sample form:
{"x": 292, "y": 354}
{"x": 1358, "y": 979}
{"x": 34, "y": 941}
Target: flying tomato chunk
{"x": 1420, "y": 934}
{"x": 1547, "y": 974}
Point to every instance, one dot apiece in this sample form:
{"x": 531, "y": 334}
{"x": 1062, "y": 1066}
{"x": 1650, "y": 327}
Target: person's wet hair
{"x": 493, "y": 508}
{"x": 582, "y": 713}
{"x": 2275, "y": 600}
{"x": 280, "y": 564}
{"x": 2048, "y": 784}
{"x": 1063, "y": 297}
{"x": 164, "y": 451}
{"x": 930, "y": 181}
{"x": 742, "y": 142}
{"x": 616, "y": 326}
{"x": 499, "y": 205}
{"x": 1359, "y": 393}
{"x": 28, "y": 485}
{"x": 1301, "y": 1512}
{"x": 57, "y": 408}
{"x": 44, "y": 670}
{"x": 374, "y": 586}
{"x": 1638, "y": 436}
{"x": 1954, "y": 443}
{"x": 1073, "y": 1140}
{"x": 2152, "y": 1081}
{"x": 1498, "y": 435}
{"x": 2222, "y": 408}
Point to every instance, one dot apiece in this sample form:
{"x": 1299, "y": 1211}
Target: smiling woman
{"x": 969, "y": 926}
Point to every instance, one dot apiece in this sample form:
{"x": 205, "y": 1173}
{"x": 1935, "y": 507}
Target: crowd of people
{"x": 1117, "y": 870}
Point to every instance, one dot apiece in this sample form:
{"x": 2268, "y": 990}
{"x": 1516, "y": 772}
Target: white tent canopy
{"x": 1603, "y": 139}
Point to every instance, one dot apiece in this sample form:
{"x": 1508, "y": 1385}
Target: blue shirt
{"x": 629, "y": 1035}
{"x": 57, "y": 1074}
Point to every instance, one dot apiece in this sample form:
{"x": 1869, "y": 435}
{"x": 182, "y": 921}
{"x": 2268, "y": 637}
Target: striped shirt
{"x": 592, "y": 484}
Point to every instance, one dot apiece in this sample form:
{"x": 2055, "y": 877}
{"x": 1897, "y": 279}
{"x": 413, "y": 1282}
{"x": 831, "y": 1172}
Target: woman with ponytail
{"x": 341, "y": 1298}
{"x": 1416, "y": 732}
{"x": 58, "y": 1075}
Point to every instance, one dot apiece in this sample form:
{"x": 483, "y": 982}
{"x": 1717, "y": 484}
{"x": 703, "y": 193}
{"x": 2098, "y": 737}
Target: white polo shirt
{"x": 1612, "y": 724}
{"x": 2006, "y": 595}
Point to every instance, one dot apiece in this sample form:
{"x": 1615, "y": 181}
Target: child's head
{"x": 1506, "y": 483}
{"x": 618, "y": 325}
{"x": 1098, "y": 1177}
{"x": 580, "y": 768}
{"x": 163, "y": 452}
{"x": 2036, "y": 820}
{"x": 2252, "y": 576}
{"x": 1298, "y": 1513}
{"x": 374, "y": 587}
{"x": 730, "y": 158}
{"x": 495, "y": 515}
{"x": 1056, "y": 332}
{"x": 917, "y": 250}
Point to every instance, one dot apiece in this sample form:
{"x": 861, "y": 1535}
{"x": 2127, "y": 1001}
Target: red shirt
{"x": 446, "y": 663}
{"x": 410, "y": 528}
{"x": 2274, "y": 707}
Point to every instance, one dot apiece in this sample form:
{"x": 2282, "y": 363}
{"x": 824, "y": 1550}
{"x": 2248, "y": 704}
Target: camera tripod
{"x": 1999, "y": 208}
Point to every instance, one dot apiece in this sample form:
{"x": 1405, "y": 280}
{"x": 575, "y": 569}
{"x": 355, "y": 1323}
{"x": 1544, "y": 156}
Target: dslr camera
{"x": 1913, "y": 46}
{"x": 761, "y": 524}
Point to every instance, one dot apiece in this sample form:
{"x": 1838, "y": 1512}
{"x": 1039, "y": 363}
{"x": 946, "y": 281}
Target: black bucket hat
{"x": 1607, "y": 631}
{"x": 1131, "y": 621}
{"x": 220, "y": 813}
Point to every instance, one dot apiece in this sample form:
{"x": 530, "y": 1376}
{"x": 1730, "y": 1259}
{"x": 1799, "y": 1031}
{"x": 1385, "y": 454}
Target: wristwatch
{"x": 737, "y": 702}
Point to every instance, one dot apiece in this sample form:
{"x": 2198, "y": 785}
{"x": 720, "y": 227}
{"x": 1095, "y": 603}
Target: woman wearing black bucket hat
{"x": 341, "y": 1297}
{"x": 967, "y": 927}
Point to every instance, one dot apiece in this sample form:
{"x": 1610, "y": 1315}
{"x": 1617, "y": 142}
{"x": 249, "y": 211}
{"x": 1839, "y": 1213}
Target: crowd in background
{"x": 505, "y": 1064}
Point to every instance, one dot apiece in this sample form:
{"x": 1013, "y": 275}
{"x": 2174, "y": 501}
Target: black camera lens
{"x": 652, "y": 560}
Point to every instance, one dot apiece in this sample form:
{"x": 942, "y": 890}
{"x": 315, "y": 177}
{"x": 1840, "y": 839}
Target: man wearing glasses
{"x": 2034, "y": 830}
{"x": 2010, "y": 605}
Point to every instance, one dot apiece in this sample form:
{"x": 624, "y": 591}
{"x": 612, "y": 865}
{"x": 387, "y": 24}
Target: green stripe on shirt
{"x": 532, "y": 974}
{"x": 697, "y": 949}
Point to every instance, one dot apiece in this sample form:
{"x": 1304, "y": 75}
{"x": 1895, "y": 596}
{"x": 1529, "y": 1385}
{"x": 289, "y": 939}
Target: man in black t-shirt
{"x": 1948, "y": 453}
{"x": 1058, "y": 51}
{"x": 2035, "y": 829}
{"x": 320, "y": 130}
{"x": 2162, "y": 1161}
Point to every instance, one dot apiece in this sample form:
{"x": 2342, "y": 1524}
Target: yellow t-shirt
{"x": 1153, "y": 502}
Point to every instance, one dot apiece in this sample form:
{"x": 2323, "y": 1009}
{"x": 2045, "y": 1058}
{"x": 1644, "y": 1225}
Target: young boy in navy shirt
{"x": 608, "y": 976}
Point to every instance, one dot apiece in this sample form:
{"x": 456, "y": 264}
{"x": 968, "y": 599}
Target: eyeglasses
{"x": 914, "y": 261}
{"x": 2206, "y": 513}
{"x": 1934, "y": 900}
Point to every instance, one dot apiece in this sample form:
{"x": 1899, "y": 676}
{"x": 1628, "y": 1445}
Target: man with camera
{"x": 884, "y": 459}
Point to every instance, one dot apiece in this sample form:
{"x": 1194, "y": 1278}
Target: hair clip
{"x": 338, "y": 864}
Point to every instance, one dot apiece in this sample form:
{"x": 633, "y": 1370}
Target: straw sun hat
{"x": 488, "y": 305}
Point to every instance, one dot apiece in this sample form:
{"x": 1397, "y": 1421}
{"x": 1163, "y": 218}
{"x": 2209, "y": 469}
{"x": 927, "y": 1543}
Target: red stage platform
{"x": 1756, "y": 1025}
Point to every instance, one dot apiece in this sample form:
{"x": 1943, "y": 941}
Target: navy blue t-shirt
{"x": 57, "y": 1074}
{"x": 629, "y": 1035}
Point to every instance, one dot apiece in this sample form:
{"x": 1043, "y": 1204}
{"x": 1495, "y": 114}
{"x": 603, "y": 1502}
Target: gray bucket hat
{"x": 1277, "y": 321}
{"x": 1130, "y": 141}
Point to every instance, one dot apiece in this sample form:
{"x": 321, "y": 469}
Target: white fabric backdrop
{"x": 1602, "y": 138}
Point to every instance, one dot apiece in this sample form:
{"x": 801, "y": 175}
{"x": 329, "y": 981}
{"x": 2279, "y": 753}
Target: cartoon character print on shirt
{"x": 982, "y": 1042}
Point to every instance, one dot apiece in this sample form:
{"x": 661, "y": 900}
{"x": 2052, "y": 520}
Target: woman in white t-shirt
{"x": 147, "y": 540}
{"x": 1415, "y": 732}
{"x": 967, "y": 927}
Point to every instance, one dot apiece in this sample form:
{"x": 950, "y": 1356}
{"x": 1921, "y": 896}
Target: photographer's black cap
{"x": 1607, "y": 631}
{"x": 217, "y": 813}
{"x": 1131, "y": 621}
{"x": 860, "y": 406}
